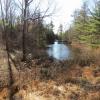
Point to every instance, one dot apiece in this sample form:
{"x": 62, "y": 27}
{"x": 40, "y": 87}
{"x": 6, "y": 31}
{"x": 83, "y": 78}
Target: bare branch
{"x": 95, "y": 17}
{"x": 17, "y": 4}
{"x": 29, "y": 2}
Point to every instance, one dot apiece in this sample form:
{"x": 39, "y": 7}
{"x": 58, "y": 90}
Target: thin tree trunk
{"x": 24, "y": 32}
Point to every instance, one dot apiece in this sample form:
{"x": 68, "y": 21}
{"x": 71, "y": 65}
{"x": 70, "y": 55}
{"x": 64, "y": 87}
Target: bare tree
{"x": 26, "y": 4}
{"x": 28, "y": 16}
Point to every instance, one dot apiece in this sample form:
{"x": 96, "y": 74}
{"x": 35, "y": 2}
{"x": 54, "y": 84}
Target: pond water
{"x": 59, "y": 51}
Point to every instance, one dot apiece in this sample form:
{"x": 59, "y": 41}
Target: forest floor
{"x": 4, "y": 74}
{"x": 45, "y": 79}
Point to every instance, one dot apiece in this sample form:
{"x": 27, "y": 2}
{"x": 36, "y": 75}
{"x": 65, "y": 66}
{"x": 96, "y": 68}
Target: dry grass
{"x": 70, "y": 85}
{"x": 60, "y": 82}
{"x": 4, "y": 94}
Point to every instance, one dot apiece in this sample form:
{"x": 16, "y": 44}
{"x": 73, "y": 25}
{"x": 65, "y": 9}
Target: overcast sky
{"x": 64, "y": 10}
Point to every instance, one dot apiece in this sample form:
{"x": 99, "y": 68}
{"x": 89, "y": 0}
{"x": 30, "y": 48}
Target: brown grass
{"x": 4, "y": 94}
{"x": 60, "y": 82}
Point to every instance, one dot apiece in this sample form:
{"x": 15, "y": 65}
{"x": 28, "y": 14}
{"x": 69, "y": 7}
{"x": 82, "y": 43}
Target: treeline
{"x": 86, "y": 24}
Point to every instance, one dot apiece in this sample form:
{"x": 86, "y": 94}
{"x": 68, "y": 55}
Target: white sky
{"x": 64, "y": 10}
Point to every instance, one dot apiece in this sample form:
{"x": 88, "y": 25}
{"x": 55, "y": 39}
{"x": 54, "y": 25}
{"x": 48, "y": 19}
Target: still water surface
{"x": 59, "y": 51}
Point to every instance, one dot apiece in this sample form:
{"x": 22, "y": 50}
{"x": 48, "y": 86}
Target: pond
{"x": 59, "y": 51}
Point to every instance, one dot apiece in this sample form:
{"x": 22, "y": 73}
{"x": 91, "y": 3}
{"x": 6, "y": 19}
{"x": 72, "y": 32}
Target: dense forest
{"x": 38, "y": 64}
